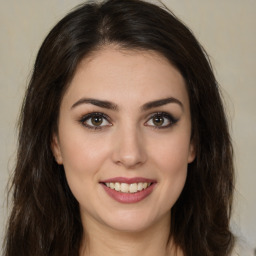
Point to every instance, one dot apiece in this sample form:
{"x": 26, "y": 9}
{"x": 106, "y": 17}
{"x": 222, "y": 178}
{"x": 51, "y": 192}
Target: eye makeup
{"x": 95, "y": 120}
{"x": 161, "y": 120}
{"x": 99, "y": 120}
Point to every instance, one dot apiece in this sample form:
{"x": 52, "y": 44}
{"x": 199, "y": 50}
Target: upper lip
{"x": 128, "y": 180}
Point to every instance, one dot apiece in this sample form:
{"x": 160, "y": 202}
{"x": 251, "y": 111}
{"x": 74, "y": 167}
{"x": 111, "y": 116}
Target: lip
{"x": 128, "y": 198}
{"x": 128, "y": 180}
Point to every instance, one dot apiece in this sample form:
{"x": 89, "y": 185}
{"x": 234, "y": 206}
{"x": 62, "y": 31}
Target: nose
{"x": 129, "y": 148}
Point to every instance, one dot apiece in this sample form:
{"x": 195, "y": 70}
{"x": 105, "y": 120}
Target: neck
{"x": 103, "y": 240}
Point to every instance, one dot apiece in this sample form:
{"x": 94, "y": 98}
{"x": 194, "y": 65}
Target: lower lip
{"x": 129, "y": 198}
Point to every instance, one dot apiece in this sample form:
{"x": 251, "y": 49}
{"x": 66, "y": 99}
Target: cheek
{"x": 171, "y": 153}
{"x": 171, "y": 159}
{"x": 81, "y": 151}
{"x": 82, "y": 160}
{"x": 173, "y": 165}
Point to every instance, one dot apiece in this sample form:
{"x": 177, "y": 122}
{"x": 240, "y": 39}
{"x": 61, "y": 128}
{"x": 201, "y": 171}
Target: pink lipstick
{"x": 128, "y": 190}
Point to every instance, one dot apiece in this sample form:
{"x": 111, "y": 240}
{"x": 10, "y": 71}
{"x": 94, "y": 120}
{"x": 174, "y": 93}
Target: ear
{"x": 55, "y": 146}
{"x": 191, "y": 152}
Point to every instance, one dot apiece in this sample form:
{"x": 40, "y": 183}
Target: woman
{"x": 124, "y": 146}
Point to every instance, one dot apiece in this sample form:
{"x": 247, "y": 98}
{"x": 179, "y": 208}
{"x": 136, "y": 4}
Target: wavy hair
{"x": 45, "y": 218}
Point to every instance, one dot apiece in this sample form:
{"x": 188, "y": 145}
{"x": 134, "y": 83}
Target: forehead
{"x": 117, "y": 75}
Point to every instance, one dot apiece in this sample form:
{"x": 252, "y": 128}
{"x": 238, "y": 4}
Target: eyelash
{"x": 169, "y": 117}
{"x": 171, "y": 120}
{"x": 87, "y": 117}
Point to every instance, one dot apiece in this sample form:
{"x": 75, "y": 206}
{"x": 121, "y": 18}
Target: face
{"x": 124, "y": 138}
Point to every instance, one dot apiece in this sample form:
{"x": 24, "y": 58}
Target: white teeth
{"x": 140, "y": 186}
{"x": 128, "y": 188}
{"x": 117, "y": 186}
{"x": 144, "y": 185}
{"x": 133, "y": 188}
{"x": 124, "y": 188}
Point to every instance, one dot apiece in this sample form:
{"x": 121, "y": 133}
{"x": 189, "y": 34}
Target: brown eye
{"x": 161, "y": 120}
{"x": 158, "y": 120}
{"x": 97, "y": 120}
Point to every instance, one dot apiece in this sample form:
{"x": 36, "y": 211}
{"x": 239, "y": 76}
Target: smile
{"x": 128, "y": 188}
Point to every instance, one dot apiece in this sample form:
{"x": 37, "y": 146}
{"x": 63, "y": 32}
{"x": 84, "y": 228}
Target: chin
{"x": 133, "y": 222}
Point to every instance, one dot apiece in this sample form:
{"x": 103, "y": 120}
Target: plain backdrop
{"x": 226, "y": 29}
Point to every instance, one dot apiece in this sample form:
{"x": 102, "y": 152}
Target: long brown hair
{"x": 45, "y": 217}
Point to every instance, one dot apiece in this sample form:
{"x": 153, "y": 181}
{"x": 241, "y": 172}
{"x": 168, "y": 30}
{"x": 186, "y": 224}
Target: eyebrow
{"x": 113, "y": 106}
{"x": 99, "y": 103}
{"x": 161, "y": 102}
